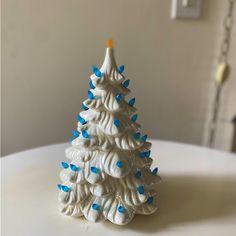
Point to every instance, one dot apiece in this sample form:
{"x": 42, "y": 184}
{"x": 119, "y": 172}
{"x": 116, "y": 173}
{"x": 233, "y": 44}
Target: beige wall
{"x": 49, "y": 46}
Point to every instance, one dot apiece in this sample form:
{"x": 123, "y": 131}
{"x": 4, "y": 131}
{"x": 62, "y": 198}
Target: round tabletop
{"x": 197, "y": 195}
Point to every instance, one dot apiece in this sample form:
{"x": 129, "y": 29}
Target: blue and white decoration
{"x": 126, "y": 83}
{"x": 108, "y": 175}
{"x": 97, "y": 72}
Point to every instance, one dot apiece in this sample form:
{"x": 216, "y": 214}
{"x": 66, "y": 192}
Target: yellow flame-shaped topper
{"x": 110, "y": 43}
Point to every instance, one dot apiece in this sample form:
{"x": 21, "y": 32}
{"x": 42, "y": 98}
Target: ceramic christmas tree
{"x": 108, "y": 174}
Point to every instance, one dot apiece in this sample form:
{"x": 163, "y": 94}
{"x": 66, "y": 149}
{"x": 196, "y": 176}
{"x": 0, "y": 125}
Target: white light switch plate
{"x": 186, "y": 9}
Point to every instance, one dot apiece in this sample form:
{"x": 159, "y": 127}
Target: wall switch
{"x": 186, "y": 9}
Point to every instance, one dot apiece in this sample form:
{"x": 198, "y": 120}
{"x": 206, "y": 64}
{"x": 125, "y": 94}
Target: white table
{"x": 197, "y": 195}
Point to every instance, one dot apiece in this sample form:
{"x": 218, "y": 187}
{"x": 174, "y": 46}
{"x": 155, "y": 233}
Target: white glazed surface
{"x": 108, "y": 144}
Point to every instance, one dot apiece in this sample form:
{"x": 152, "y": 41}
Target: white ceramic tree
{"x": 108, "y": 175}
